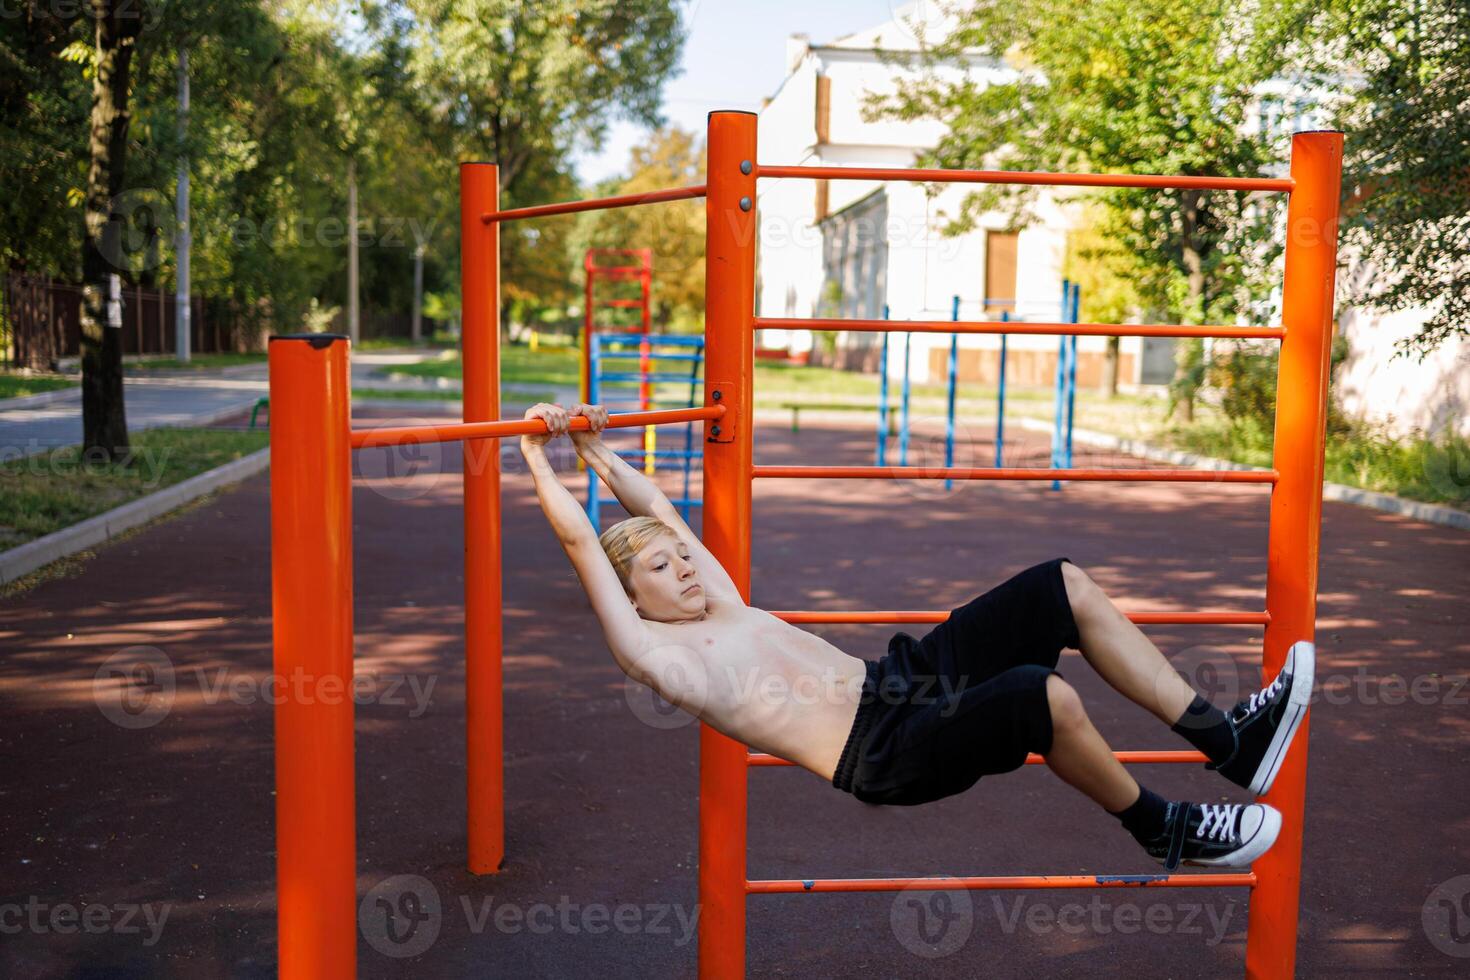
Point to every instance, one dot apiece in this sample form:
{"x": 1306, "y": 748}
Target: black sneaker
{"x": 1265, "y": 722}
{"x": 1226, "y": 835}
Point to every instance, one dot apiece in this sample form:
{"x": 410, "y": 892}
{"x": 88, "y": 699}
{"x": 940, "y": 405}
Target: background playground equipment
{"x": 1066, "y": 382}
{"x": 658, "y": 355}
{"x": 311, "y": 552}
{"x": 640, "y": 273}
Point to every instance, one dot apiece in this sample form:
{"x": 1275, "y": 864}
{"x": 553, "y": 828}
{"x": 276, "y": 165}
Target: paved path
{"x": 601, "y": 816}
{"x": 157, "y": 399}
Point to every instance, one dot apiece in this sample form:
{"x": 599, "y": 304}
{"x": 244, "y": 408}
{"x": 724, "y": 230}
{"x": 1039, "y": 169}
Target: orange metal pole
{"x": 1013, "y": 327}
{"x": 1116, "y": 474}
{"x": 1036, "y": 178}
{"x": 1001, "y": 882}
{"x": 479, "y": 192}
{"x": 311, "y": 603}
{"x": 500, "y": 429}
{"x": 1296, "y": 517}
{"x": 595, "y": 204}
{"x": 729, "y": 299}
{"x": 1221, "y": 617}
{"x": 1126, "y": 756}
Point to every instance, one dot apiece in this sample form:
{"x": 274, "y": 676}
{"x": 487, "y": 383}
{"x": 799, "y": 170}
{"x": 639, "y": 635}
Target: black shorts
{"x": 967, "y": 700}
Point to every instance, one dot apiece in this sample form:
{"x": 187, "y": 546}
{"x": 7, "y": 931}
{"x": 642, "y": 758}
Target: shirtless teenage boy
{"x": 970, "y": 698}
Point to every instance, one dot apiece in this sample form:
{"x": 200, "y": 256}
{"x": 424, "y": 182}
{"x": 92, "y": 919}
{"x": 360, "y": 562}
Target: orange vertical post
{"x": 311, "y": 606}
{"x": 479, "y": 194}
{"x": 1296, "y": 517}
{"x": 730, "y": 230}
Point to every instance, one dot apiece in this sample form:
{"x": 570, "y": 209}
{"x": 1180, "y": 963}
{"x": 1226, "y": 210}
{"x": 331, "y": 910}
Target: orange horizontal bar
{"x": 1127, "y": 757}
{"x": 595, "y": 204}
{"x": 452, "y": 432}
{"x": 1119, "y": 475}
{"x": 1031, "y": 177}
{"x": 1222, "y": 617}
{"x": 1019, "y": 327}
{"x": 1245, "y": 879}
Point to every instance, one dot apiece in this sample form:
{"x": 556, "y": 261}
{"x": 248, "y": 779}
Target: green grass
{"x": 16, "y": 385}
{"x": 1435, "y": 471}
{"x": 508, "y": 392}
{"x": 197, "y": 362}
{"x": 562, "y": 367}
{"x": 56, "y": 489}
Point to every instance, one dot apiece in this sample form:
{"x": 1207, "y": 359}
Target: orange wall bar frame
{"x": 311, "y": 607}
{"x": 479, "y": 193}
{"x": 730, "y": 230}
{"x": 1296, "y": 518}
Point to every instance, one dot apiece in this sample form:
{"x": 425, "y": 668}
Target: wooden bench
{"x": 796, "y": 408}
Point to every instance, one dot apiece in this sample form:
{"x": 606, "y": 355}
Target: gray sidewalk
{"x": 160, "y": 399}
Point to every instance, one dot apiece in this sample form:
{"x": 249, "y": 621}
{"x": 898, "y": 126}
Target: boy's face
{"x": 665, "y": 584}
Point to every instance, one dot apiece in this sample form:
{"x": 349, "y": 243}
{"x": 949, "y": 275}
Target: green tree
{"x": 670, "y": 157}
{"x": 1406, "y": 183}
{"x": 1129, "y": 86}
{"x": 104, "y": 419}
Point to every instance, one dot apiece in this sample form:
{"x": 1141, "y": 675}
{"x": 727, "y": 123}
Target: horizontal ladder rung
{"x": 1019, "y": 327}
{"x": 1000, "y": 882}
{"x": 1214, "y": 617}
{"x": 1127, "y": 757}
{"x": 1114, "y": 475}
{"x": 1034, "y": 177}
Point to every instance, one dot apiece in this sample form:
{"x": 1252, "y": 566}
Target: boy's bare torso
{"x": 757, "y": 679}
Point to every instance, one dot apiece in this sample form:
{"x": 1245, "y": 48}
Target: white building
{"x": 856, "y": 248}
{"x": 853, "y": 248}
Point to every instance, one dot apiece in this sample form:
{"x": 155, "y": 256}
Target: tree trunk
{"x": 104, "y": 422}
{"x": 1110, "y": 367}
{"x": 1185, "y": 382}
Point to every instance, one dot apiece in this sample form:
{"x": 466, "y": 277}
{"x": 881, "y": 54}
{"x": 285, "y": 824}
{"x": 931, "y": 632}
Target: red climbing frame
{"x": 641, "y": 273}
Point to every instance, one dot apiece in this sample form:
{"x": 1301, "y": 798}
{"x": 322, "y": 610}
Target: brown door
{"x": 1000, "y": 273}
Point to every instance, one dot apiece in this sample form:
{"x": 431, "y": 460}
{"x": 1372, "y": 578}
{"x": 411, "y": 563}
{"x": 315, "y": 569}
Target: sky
{"x": 734, "y": 55}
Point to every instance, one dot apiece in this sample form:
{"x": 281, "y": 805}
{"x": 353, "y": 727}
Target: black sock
{"x": 1145, "y": 818}
{"x": 1206, "y": 728}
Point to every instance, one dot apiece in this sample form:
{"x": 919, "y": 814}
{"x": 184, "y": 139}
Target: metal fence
{"x": 44, "y": 322}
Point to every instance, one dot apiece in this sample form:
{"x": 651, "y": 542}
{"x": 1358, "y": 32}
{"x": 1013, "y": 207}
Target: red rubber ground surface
{"x": 602, "y": 806}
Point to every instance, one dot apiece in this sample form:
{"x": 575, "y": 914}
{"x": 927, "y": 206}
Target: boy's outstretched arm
{"x": 626, "y": 634}
{"x": 642, "y": 498}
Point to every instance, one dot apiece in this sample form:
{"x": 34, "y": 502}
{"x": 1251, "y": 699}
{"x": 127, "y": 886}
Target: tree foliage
{"x": 670, "y": 157}
{"x": 1405, "y": 65}
{"x": 1124, "y": 86}
{"x": 285, "y": 93}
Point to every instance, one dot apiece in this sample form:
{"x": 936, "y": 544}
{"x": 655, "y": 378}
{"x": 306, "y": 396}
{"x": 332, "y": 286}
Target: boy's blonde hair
{"x": 625, "y": 539}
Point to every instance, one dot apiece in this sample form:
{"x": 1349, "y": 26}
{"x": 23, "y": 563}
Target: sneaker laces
{"x": 1219, "y": 821}
{"x": 1264, "y": 696}
{"x": 1260, "y": 698}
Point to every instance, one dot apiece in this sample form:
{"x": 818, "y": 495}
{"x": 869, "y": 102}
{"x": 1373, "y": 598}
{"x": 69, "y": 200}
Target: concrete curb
{"x": 39, "y": 399}
{"x": 21, "y": 561}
